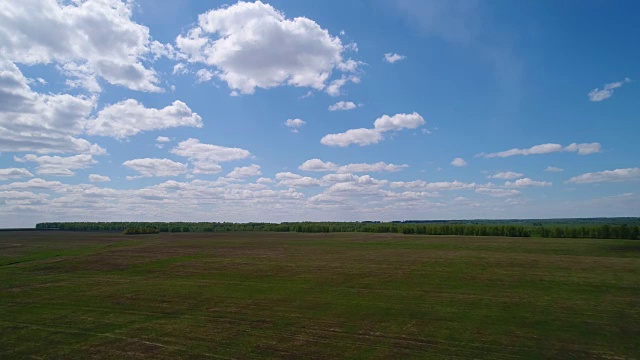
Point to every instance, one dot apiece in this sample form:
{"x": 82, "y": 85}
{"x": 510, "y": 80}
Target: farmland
{"x": 316, "y": 295}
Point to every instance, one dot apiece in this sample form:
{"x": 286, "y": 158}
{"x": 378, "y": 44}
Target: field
{"x": 343, "y": 295}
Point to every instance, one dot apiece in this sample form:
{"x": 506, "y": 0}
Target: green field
{"x": 324, "y": 296}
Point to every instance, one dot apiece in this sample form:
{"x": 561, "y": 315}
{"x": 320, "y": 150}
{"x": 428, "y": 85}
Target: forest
{"x": 530, "y": 229}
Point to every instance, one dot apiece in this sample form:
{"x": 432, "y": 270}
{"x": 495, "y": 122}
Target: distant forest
{"x": 593, "y": 228}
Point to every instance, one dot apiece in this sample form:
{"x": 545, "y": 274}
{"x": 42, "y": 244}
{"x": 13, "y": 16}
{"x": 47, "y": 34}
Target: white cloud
{"x": 204, "y": 75}
{"x": 363, "y": 136}
{"x": 376, "y": 167}
{"x": 506, "y": 175}
{"x": 435, "y": 186}
{"x": 20, "y": 195}
{"x": 98, "y": 178}
{"x": 343, "y": 105}
{"x": 584, "y": 149}
{"x": 335, "y": 87}
{"x": 155, "y": 167}
{"x": 129, "y": 117}
{"x": 205, "y": 157}
{"x": 581, "y": 149}
{"x": 553, "y": 169}
{"x": 318, "y": 165}
{"x": 254, "y": 46}
{"x": 398, "y": 122}
{"x": 180, "y": 69}
{"x": 294, "y": 180}
{"x": 57, "y": 165}
{"x": 203, "y": 167}
{"x": 497, "y": 192}
{"x": 349, "y": 185}
{"x": 14, "y": 173}
{"x": 526, "y": 182}
{"x": 458, "y": 162}
{"x": 350, "y": 65}
{"x": 245, "y": 171}
{"x": 360, "y": 137}
{"x": 264, "y": 180}
{"x": 36, "y": 183}
{"x": 617, "y": 175}
{"x": 599, "y": 95}
{"x": 89, "y": 39}
{"x": 294, "y": 124}
{"x": 195, "y": 150}
{"x": 336, "y": 178}
{"x": 163, "y": 139}
{"x": 33, "y": 122}
{"x": 392, "y": 57}
{"x": 287, "y": 176}
{"x": 304, "y": 182}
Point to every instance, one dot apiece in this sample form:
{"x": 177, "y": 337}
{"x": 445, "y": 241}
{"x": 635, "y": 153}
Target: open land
{"x": 67, "y": 295}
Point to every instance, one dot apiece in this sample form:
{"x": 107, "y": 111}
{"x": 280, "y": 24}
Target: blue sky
{"x": 307, "y": 110}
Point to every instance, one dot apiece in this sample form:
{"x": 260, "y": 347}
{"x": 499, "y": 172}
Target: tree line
{"x": 138, "y": 230}
{"x": 605, "y": 231}
{"x": 592, "y": 232}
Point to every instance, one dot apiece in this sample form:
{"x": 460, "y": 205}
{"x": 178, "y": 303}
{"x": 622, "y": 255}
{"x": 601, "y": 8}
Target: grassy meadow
{"x": 79, "y": 295}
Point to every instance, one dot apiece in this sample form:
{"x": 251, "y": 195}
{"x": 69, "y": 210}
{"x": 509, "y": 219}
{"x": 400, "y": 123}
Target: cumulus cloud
{"x": 375, "y": 167}
{"x": 129, "y": 117}
{"x": 458, "y": 162}
{"x": 317, "y": 165}
{"x": 350, "y": 184}
{"x": 98, "y": 178}
{"x": 204, "y": 75}
{"x": 321, "y": 166}
{"x": 245, "y": 171}
{"x": 36, "y": 183}
{"x": 526, "y": 182}
{"x": 506, "y": 175}
{"x": 14, "y": 173}
{"x": 435, "y": 186}
{"x": 180, "y": 69}
{"x": 605, "y": 93}
{"x": 195, "y": 150}
{"x": 335, "y": 87}
{"x": 294, "y": 124}
{"x": 360, "y": 137}
{"x": 617, "y": 175}
{"x": 495, "y": 192}
{"x": 206, "y": 157}
{"x": 204, "y": 167}
{"x": 343, "y": 105}
{"x": 398, "y": 122}
{"x": 393, "y": 57}
{"x": 42, "y": 123}
{"x": 295, "y": 181}
{"x": 57, "y": 165}
{"x": 584, "y": 149}
{"x": 148, "y": 167}
{"x": 253, "y": 45}
{"x": 581, "y": 149}
{"x": 20, "y": 195}
{"x": 363, "y": 136}
{"x": 161, "y": 140}
{"x": 88, "y": 39}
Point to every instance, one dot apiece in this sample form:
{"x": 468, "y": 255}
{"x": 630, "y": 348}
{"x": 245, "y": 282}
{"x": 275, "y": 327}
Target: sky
{"x": 172, "y": 110}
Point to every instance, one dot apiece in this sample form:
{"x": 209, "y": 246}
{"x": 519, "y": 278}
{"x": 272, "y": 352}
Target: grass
{"x": 70, "y": 295}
